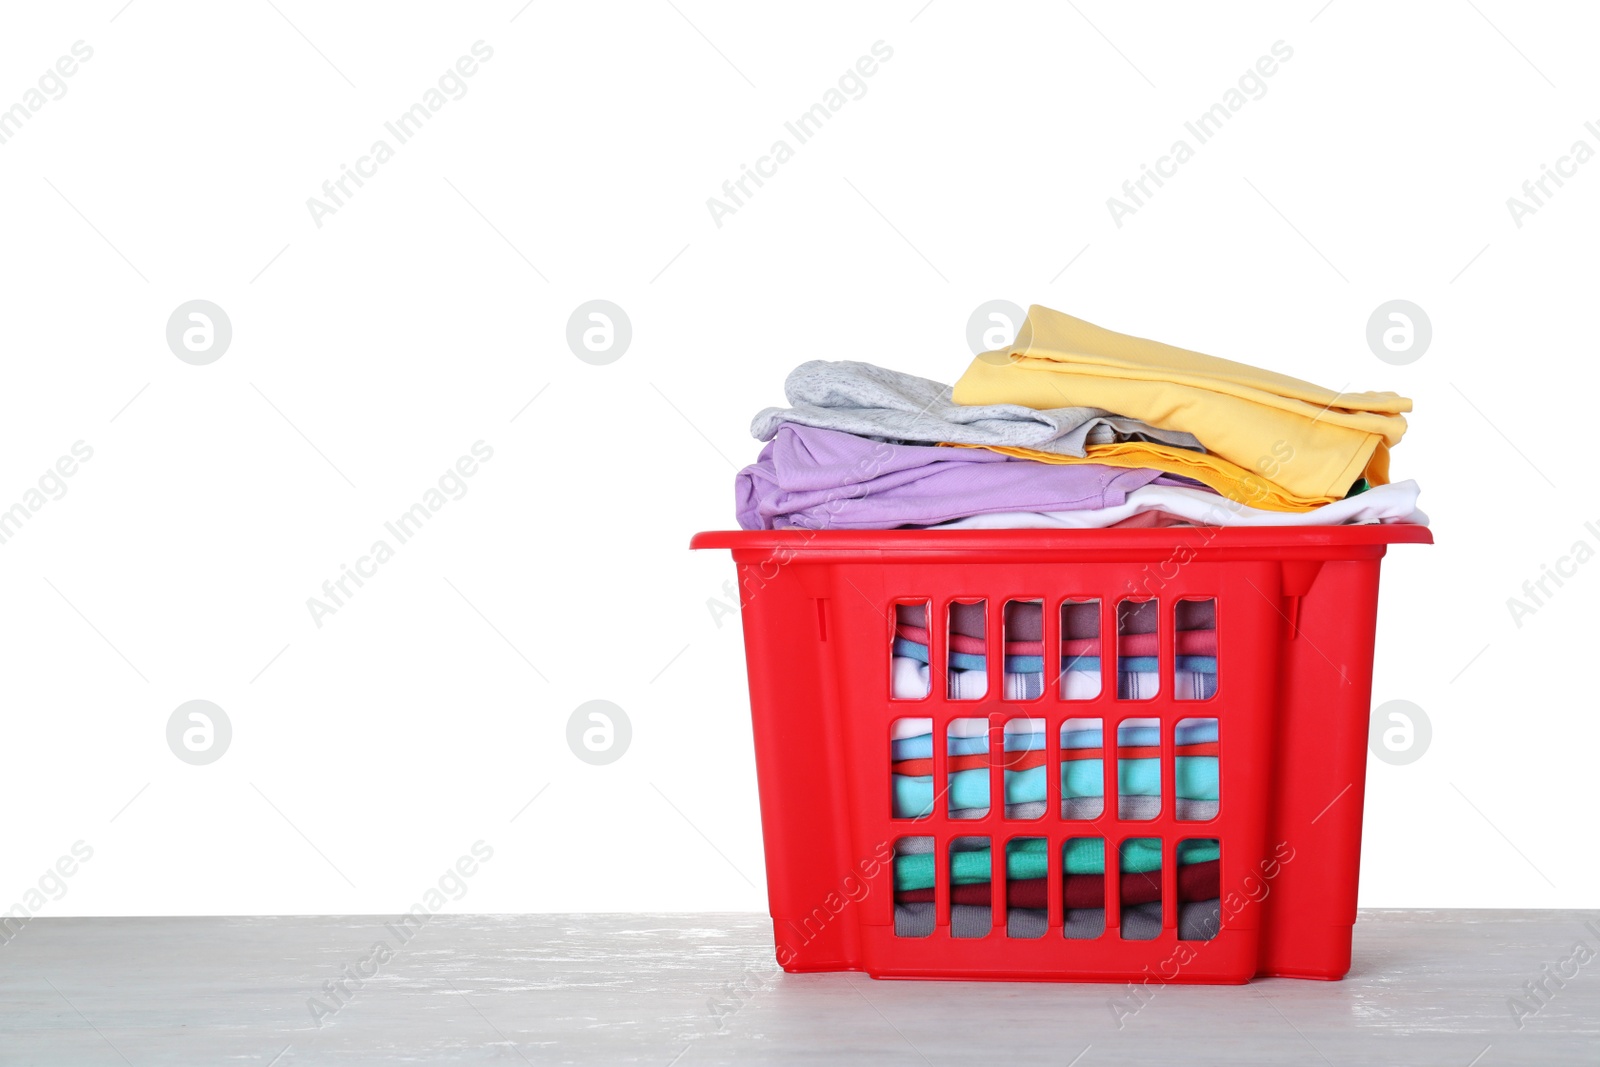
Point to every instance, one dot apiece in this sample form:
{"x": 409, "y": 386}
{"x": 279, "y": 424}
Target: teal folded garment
{"x": 1029, "y": 858}
{"x": 1190, "y": 732}
{"x": 913, "y": 795}
{"x": 1085, "y": 778}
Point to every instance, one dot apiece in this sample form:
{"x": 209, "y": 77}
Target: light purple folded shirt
{"x": 816, "y": 479}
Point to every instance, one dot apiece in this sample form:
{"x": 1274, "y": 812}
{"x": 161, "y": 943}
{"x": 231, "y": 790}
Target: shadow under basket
{"x": 936, "y": 711}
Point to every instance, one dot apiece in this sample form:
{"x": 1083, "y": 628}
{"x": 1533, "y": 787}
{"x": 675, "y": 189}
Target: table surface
{"x": 1427, "y": 987}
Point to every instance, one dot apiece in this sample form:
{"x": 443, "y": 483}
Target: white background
{"x": 369, "y": 353}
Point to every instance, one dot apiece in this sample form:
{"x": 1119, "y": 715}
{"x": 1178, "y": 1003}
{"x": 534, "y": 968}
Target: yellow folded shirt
{"x": 1225, "y": 476}
{"x": 1315, "y": 441}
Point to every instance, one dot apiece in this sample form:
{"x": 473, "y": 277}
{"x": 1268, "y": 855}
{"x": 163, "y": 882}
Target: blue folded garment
{"x": 971, "y": 661}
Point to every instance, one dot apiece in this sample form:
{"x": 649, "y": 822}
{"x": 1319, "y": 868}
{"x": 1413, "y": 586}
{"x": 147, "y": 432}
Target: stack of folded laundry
{"x": 1080, "y": 651}
{"x": 1072, "y": 426}
{"x": 1082, "y": 772}
{"x": 1083, "y": 886}
{"x": 965, "y": 793}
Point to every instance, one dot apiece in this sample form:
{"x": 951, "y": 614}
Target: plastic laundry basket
{"x": 1295, "y": 613}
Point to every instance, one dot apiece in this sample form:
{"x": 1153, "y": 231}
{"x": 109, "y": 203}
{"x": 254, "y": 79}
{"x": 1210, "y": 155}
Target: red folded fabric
{"x": 1190, "y": 643}
{"x": 1196, "y": 881}
{"x": 973, "y": 645}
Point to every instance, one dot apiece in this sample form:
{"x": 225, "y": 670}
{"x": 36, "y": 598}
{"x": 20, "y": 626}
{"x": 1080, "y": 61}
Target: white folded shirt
{"x": 1396, "y": 502}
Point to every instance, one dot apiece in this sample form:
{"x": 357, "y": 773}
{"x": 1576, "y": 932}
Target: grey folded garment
{"x": 1138, "y": 808}
{"x": 1028, "y": 809}
{"x": 1197, "y": 921}
{"x": 916, "y": 920}
{"x": 888, "y": 405}
{"x": 922, "y": 846}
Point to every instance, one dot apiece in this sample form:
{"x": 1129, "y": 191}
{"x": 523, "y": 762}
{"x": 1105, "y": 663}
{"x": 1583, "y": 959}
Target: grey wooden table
{"x": 1428, "y": 987}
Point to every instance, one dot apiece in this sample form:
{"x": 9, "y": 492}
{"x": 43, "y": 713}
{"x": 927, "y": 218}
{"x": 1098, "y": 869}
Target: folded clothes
{"x": 909, "y": 680}
{"x": 1024, "y": 619}
{"x": 821, "y": 479}
{"x": 966, "y": 661}
{"x": 1134, "y": 808}
{"x": 1140, "y": 616}
{"x": 1026, "y": 759}
{"x": 1019, "y": 761}
{"x": 1318, "y": 441}
{"x": 965, "y": 619}
{"x": 964, "y": 727}
{"x": 1130, "y": 808}
{"x": 913, "y": 796}
{"x": 1186, "y": 684}
{"x": 913, "y": 738}
{"x": 882, "y": 404}
{"x": 1188, "y": 469}
{"x": 1024, "y": 686}
{"x": 1030, "y": 859}
{"x": 1188, "y": 732}
{"x": 1199, "y": 921}
{"x": 1190, "y": 643}
{"x": 963, "y": 643}
{"x": 1382, "y": 503}
{"x": 1196, "y": 881}
{"x": 1180, "y": 467}
{"x": 1134, "y": 645}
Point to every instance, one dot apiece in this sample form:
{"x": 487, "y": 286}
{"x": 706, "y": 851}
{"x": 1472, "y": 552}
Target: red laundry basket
{"x": 1295, "y": 614}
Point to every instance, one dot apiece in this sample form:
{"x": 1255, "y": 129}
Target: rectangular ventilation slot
{"x": 911, "y": 768}
{"x": 971, "y": 896}
{"x": 913, "y": 887}
{"x": 909, "y": 651}
{"x": 1027, "y": 882}
{"x": 1083, "y": 775}
{"x": 1083, "y": 888}
{"x": 968, "y": 660}
{"x": 1140, "y": 888}
{"x": 1138, "y": 637}
{"x": 1024, "y": 778}
{"x": 1080, "y": 650}
{"x": 1199, "y": 889}
{"x": 1024, "y": 642}
{"x": 1139, "y": 769}
{"x": 967, "y": 768}
{"x": 1196, "y": 664}
{"x": 1198, "y": 767}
